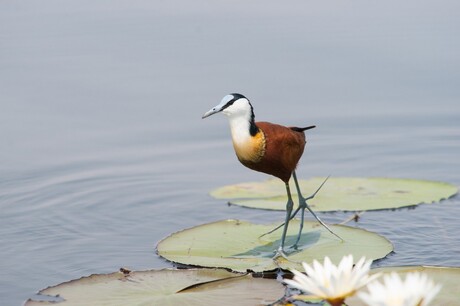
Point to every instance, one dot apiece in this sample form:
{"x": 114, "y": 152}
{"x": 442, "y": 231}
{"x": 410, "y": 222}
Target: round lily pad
{"x": 237, "y": 245}
{"x": 339, "y": 193}
{"x": 448, "y": 277}
{"x": 164, "y": 287}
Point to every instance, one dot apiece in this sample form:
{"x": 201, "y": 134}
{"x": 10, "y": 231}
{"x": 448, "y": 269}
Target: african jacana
{"x": 270, "y": 148}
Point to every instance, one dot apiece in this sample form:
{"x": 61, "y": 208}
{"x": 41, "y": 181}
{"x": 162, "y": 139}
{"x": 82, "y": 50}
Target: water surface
{"x": 104, "y": 152}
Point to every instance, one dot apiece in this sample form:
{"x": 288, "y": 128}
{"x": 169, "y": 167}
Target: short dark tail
{"x": 301, "y": 129}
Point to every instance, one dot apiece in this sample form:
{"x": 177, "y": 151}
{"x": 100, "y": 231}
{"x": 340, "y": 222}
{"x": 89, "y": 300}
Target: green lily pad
{"x": 339, "y": 193}
{"x": 449, "y": 278}
{"x": 237, "y": 245}
{"x": 165, "y": 287}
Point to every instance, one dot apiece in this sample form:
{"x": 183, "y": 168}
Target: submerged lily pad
{"x": 449, "y": 278}
{"x": 237, "y": 245}
{"x": 165, "y": 287}
{"x": 339, "y": 193}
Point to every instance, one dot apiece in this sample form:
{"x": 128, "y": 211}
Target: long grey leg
{"x": 303, "y": 204}
{"x": 297, "y": 209}
{"x": 289, "y": 206}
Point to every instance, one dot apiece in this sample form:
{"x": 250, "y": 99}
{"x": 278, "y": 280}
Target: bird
{"x": 269, "y": 148}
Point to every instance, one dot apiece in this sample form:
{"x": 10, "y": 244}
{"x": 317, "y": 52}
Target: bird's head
{"x": 232, "y": 105}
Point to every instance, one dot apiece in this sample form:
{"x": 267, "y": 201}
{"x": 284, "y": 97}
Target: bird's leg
{"x": 289, "y": 206}
{"x": 281, "y": 225}
{"x": 292, "y": 215}
{"x": 303, "y": 204}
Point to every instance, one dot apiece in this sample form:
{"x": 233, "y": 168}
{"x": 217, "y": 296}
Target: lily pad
{"x": 449, "y": 278}
{"x": 237, "y": 245}
{"x": 165, "y": 287}
{"x": 339, "y": 193}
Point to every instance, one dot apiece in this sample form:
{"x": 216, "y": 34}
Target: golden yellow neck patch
{"x": 252, "y": 149}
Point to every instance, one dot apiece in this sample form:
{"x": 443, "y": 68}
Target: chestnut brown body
{"x": 280, "y": 150}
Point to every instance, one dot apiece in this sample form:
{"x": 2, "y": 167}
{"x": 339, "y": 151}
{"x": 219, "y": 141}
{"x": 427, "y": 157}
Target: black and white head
{"x": 233, "y": 105}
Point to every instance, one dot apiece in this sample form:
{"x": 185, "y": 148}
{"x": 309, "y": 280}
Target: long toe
{"x": 280, "y": 253}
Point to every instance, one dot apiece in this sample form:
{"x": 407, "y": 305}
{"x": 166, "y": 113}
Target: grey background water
{"x": 104, "y": 153}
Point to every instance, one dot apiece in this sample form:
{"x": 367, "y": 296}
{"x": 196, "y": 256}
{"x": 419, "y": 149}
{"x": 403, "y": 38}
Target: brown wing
{"x": 283, "y": 150}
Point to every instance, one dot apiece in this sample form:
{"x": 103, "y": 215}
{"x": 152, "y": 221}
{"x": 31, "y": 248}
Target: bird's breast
{"x": 251, "y": 148}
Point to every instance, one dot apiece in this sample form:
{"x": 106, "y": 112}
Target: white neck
{"x": 239, "y": 127}
{"x": 239, "y": 116}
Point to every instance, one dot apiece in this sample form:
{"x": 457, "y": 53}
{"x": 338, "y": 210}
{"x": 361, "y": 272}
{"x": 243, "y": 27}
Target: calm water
{"x": 104, "y": 152}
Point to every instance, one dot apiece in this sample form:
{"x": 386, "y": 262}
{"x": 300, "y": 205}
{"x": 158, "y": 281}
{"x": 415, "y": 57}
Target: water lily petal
{"x": 331, "y": 282}
{"x": 416, "y": 290}
{"x": 304, "y": 283}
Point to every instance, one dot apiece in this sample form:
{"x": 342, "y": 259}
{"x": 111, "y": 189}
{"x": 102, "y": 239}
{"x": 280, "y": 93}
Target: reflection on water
{"x": 104, "y": 152}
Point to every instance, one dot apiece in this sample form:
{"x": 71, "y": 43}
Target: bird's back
{"x": 284, "y": 147}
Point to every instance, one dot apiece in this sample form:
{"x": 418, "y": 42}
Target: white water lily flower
{"x": 416, "y": 290}
{"x": 333, "y": 283}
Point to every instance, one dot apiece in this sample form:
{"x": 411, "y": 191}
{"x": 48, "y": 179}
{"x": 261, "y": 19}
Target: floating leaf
{"x": 165, "y": 287}
{"x": 449, "y": 278}
{"x": 339, "y": 193}
{"x": 237, "y": 245}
